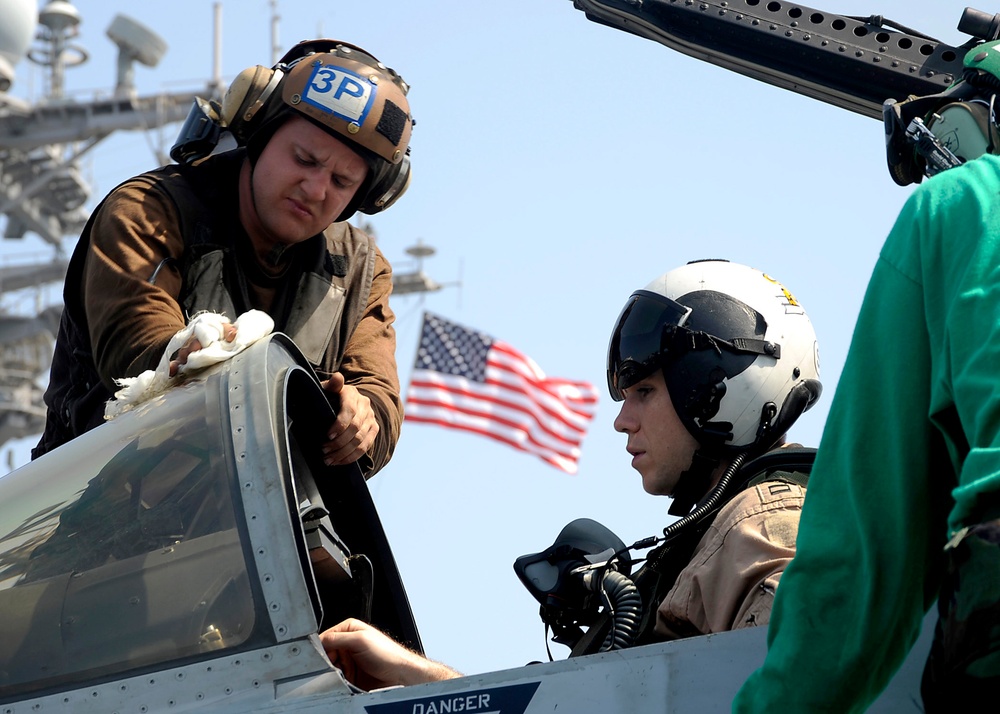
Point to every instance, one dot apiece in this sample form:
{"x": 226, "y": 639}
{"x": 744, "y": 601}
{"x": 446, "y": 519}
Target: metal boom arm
{"x": 853, "y": 63}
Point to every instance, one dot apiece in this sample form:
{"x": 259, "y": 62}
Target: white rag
{"x": 208, "y": 329}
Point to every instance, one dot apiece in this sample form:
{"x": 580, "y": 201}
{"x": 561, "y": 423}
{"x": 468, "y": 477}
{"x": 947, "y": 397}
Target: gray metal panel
{"x": 700, "y": 674}
{"x": 253, "y": 383}
{"x": 243, "y": 682}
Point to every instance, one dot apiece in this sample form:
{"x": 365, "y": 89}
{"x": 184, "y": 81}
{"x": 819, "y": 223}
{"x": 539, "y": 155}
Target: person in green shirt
{"x": 904, "y": 497}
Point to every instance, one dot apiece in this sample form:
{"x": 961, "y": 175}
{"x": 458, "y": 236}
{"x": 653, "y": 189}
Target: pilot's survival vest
{"x": 318, "y": 306}
{"x": 664, "y": 563}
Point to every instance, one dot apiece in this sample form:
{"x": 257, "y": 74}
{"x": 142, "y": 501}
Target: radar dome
{"x": 20, "y": 17}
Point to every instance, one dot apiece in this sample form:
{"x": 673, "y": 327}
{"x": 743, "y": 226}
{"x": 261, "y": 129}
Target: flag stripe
{"x": 490, "y": 408}
{"x": 498, "y": 372}
{"x": 513, "y": 432}
{"x": 567, "y": 465}
{"x": 560, "y": 388}
{"x": 466, "y": 380}
{"x": 552, "y": 417}
{"x": 487, "y": 406}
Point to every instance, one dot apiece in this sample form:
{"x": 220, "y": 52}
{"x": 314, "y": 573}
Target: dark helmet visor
{"x": 637, "y": 346}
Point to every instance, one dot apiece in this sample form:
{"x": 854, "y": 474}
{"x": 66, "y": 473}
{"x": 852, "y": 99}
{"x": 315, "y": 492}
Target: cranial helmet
{"x": 927, "y": 135}
{"x": 738, "y": 353}
{"x": 337, "y": 86}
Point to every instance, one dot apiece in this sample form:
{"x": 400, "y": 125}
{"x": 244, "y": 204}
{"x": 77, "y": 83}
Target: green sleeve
{"x": 919, "y": 382}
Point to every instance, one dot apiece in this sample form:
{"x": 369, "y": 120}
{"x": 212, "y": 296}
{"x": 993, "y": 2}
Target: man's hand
{"x": 371, "y": 660}
{"x": 193, "y": 345}
{"x": 354, "y": 430}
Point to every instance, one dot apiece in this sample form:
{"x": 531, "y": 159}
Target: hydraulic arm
{"x": 852, "y": 62}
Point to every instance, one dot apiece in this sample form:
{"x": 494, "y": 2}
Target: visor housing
{"x": 637, "y": 344}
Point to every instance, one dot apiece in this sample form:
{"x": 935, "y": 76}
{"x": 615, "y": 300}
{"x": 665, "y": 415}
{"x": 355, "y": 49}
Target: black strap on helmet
{"x": 650, "y": 330}
{"x": 693, "y": 484}
{"x": 681, "y": 339}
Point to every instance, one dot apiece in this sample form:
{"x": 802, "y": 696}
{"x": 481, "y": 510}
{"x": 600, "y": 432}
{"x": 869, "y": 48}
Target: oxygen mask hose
{"x": 711, "y": 501}
{"x": 620, "y": 598}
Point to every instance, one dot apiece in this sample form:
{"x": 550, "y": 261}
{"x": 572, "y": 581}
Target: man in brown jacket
{"x": 322, "y": 134}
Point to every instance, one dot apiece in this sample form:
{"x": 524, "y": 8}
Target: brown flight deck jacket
{"x": 330, "y": 294}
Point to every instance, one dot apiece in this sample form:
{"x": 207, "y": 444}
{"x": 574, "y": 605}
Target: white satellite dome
{"x": 20, "y": 17}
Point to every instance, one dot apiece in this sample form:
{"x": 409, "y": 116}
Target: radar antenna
{"x": 43, "y": 191}
{"x": 417, "y": 281}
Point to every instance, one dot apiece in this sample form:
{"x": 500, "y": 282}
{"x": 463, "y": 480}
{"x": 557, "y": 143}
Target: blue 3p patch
{"x": 340, "y": 92}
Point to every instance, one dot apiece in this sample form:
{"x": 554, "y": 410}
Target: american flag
{"x": 463, "y": 379}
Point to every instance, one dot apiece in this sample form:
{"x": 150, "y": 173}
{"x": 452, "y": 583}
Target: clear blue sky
{"x": 558, "y": 166}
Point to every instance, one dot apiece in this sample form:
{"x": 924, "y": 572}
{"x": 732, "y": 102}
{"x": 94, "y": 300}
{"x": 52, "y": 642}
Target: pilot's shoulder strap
{"x": 790, "y": 463}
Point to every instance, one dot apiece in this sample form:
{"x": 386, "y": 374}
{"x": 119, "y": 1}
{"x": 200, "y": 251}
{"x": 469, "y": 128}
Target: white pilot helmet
{"x": 738, "y": 352}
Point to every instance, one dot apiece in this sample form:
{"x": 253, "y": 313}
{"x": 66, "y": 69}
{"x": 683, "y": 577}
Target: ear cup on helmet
{"x": 801, "y": 397}
{"x": 245, "y": 97}
{"x": 388, "y": 183}
{"x": 964, "y": 128}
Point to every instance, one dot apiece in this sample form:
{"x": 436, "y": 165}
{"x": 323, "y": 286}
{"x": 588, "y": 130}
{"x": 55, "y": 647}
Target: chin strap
{"x": 693, "y": 484}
